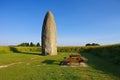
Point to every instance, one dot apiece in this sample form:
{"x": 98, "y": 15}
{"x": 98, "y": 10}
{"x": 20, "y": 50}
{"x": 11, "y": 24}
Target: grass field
{"x": 33, "y": 66}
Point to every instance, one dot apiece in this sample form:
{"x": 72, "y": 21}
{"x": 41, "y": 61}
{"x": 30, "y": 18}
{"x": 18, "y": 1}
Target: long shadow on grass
{"x": 52, "y": 62}
{"x": 30, "y": 53}
{"x": 103, "y": 65}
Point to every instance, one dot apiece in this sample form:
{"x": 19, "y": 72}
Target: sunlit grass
{"x": 36, "y": 67}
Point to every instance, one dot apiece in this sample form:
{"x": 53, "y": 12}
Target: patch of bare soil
{"x": 4, "y": 66}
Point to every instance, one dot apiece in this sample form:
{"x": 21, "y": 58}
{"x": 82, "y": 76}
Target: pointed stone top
{"x": 49, "y": 13}
{"x": 49, "y": 17}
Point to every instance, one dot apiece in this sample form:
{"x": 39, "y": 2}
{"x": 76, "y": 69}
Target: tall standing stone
{"x": 49, "y": 35}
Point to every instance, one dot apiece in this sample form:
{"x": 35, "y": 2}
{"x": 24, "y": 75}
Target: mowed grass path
{"x": 32, "y": 66}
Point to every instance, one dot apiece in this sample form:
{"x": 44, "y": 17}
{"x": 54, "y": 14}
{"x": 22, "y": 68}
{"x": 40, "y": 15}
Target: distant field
{"x": 28, "y": 64}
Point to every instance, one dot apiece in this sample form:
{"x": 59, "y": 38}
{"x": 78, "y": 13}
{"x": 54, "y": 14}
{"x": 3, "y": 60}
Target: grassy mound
{"x": 31, "y": 66}
{"x": 26, "y": 63}
{"x": 110, "y": 53}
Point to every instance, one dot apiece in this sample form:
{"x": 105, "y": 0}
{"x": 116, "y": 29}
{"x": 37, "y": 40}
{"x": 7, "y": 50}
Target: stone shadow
{"x": 13, "y": 49}
{"x": 51, "y": 62}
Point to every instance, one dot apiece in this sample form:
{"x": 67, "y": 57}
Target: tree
{"x": 31, "y": 44}
{"x": 24, "y": 44}
{"x": 93, "y": 44}
{"x": 38, "y": 44}
{"x": 88, "y": 44}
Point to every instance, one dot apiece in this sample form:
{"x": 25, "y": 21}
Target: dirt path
{"x": 7, "y": 65}
{"x": 4, "y": 66}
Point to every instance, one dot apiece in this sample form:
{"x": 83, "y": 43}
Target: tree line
{"x": 31, "y": 44}
{"x": 92, "y": 44}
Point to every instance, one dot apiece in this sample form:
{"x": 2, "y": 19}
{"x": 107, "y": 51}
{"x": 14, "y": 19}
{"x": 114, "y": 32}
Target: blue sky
{"x": 78, "y": 21}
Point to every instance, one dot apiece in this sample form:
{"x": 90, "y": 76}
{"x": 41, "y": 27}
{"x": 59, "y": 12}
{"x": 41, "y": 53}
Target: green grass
{"x": 33, "y": 66}
{"x": 110, "y": 53}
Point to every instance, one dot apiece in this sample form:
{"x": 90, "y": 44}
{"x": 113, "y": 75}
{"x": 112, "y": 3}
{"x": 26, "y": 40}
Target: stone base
{"x": 82, "y": 64}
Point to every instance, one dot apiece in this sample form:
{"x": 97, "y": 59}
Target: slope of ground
{"x": 32, "y": 66}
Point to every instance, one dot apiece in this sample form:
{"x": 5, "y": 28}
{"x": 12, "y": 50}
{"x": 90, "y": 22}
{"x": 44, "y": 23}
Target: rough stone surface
{"x": 49, "y": 35}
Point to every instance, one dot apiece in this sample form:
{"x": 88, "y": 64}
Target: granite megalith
{"x": 49, "y": 35}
